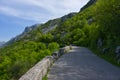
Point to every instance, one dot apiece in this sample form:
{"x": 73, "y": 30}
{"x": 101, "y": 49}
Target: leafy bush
{"x": 53, "y": 46}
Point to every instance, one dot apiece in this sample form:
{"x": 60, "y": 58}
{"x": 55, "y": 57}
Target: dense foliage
{"x": 17, "y": 58}
{"x": 98, "y": 21}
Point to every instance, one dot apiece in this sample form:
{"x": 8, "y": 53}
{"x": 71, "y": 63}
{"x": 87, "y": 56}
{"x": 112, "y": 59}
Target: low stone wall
{"x": 40, "y": 69}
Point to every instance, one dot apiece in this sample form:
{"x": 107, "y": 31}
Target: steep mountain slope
{"x": 96, "y": 27}
{"x": 43, "y": 28}
{"x": 23, "y": 51}
{"x": 1, "y": 43}
{"x": 91, "y": 2}
{"x": 18, "y": 37}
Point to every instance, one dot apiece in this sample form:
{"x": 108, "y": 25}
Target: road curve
{"x": 81, "y": 64}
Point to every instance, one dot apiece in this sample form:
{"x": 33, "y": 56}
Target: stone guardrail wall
{"x": 38, "y": 71}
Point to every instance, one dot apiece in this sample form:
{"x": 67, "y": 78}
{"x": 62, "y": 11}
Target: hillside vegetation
{"x": 99, "y": 21}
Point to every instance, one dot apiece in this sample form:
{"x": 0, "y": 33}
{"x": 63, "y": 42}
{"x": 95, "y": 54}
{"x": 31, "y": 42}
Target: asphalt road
{"x": 81, "y": 64}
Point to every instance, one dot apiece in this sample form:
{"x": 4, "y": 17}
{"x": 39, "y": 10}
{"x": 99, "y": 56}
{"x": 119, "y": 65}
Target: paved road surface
{"x": 81, "y": 64}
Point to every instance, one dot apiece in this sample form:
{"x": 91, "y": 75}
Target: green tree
{"x": 53, "y": 46}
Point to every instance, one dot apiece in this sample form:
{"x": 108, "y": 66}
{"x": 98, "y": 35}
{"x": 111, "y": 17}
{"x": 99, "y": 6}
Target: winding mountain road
{"x": 81, "y": 64}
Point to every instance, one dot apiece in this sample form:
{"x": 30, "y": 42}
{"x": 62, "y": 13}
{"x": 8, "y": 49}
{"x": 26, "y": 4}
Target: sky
{"x": 15, "y": 15}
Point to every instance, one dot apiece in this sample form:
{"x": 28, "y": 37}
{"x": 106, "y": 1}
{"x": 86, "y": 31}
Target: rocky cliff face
{"x": 18, "y": 37}
{"x": 44, "y": 28}
{"x": 70, "y": 15}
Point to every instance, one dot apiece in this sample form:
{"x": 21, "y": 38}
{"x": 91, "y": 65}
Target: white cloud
{"x": 43, "y": 9}
{"x": 28, "y": 15}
